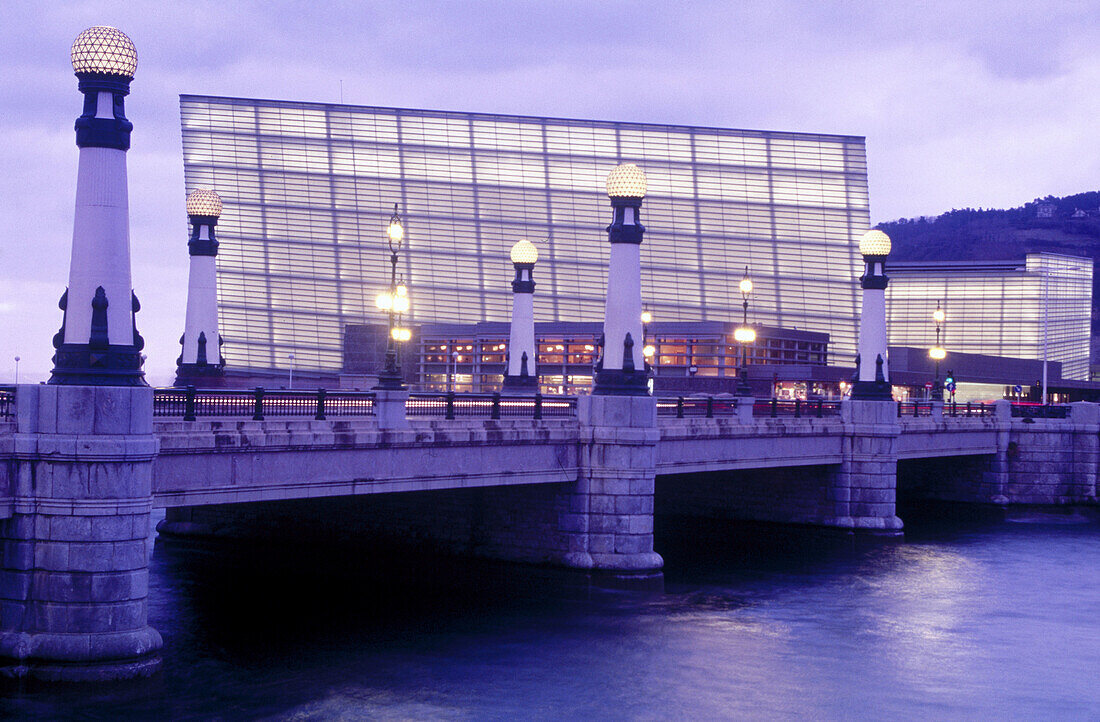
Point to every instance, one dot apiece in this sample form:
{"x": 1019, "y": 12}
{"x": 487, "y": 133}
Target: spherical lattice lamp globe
{"x": 103, "y": 50}
{"x": 204, "y": 202}
{"x": 874, "y": 243}
{"x": 524, "y": 253}
{"x": 626, "y": 181}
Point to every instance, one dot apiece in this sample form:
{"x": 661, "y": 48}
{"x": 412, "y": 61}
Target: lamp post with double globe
{"x": 393, "y": 303}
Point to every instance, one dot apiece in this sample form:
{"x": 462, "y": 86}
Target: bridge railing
{"x": 718, "y": 406}
{"x": 7, "y": 402}
{"x": 696, "y": 406}
{"x": 914, "y": 408}
{"x": 1039, "y": 411}
{"x": 190, "y": 403}
{"x": 489, "y": 406}
{"x": 798, "y": 408}
{"x": 917, "y": 409}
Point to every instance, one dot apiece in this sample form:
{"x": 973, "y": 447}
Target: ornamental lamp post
{"x": 396, "y": 302}
{"x": 621, "y": 368}
{"x": 98, "y": 344}
{"x": 200, "y": 362}
{"x": 937, "y": 353}
{"x": 872, "y": 371}
{"x": 521, "y": 374}
{"x": 744, "y": 335}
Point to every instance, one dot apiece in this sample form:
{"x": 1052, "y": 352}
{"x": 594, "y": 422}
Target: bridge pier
{"x": 609, "y": 523}
{"x": 864, "y": 489}
{"x": 74, "y": 577}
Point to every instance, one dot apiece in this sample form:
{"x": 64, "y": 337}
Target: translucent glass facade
{"x": 997, "y": 308}
{"x": 308, "y": 190}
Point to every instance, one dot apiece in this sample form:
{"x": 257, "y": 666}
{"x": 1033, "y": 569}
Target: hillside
{"x": 1046, "y": 224}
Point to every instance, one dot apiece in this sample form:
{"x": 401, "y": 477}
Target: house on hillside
{"x": 1044, "y": 210}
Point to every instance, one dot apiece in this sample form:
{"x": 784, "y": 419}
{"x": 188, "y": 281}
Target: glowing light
{"x": 395, "y": 231}
{"x": 589, "y": 347}
{"x": 105, "y": 50}
{"x": 647, "y": 317}
{"x": 648, "y": 351}
{"x": 874, "y": 243}
{"x": 204, "y": 202}
{"x": 938, "y": 315}
{"x": 744, "y": 334}
{"x": 384, "y": 301}
{"x": 402, "y": 290}
{"x": 626, "y": 181}
{"x": 937, "y": 353}
{"x": 524, "y": 252}
{"x": 400, "y": 303}
{"x": 745, "y": 286}
{"x": 401, "y": 334}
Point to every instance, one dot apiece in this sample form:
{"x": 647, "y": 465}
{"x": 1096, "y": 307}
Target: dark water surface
{"x": 970, "y": 621}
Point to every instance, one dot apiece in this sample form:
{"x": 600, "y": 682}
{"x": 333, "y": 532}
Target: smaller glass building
{"x": 996, "y": 308}
{"x": 471, "y": 357}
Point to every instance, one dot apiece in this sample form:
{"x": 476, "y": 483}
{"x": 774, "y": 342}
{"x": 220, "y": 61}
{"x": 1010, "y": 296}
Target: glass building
{"x": 997, "y": 308}
{"x": 308, "y": 190}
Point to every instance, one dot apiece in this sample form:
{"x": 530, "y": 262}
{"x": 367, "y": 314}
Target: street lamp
{"x": 396, "y": 302}
{"x": 937, "y": 353}
{"x": 16, "y": 370}
{"x": 648, "y": 349}
{"x": 744, "y": 335}
{"x": 290, "y": 380}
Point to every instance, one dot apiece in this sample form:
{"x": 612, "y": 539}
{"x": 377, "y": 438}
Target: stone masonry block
{"x": 111, "y": 528}
{"x": 112, "y": 410}
{"x": 633, "y": 543}
{"x": 52, "y": 556}
{"x": 89, "y": 557}
{"x": 601, "y": 543}
{"x": 70, "y": 528}
{"x": 141, "y": 410}
{"x": 634, "y": 505}
{"x": 75, "y": 409}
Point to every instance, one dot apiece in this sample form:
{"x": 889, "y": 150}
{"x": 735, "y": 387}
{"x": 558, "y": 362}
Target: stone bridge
{"x": 84, "y": 467}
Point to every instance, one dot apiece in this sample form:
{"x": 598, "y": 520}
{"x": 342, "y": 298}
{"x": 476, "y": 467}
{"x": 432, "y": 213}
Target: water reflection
{"x": 975, "y": 620}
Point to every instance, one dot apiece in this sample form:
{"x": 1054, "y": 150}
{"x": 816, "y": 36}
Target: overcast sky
{"x": 963, "y": 103}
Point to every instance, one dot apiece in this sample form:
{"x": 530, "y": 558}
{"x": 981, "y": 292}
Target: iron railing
{"x": 718, "y": 406}
{"x": 798, "y": 408}
{"x": 190, "y": 403}
{"x": 491, "y": 406}
{"x": 7, "y": 402}
{"x": 914, "y": 408}
{"x": 1039, "y": 411}
{"x": 950, "y": 408}
{"x": 695, "y": 406}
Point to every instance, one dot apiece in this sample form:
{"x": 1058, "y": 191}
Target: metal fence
{"x": 1039, "y": 411}
{"x": 694, "y": 406}
{"x": 190, "y": 403}
{"x": 7, "y": 402}
{"x": 950, "y": 408}
{"x": 798, "y": 408}
{"x": 491, "y": 406}
{"x": 718, "y": 406}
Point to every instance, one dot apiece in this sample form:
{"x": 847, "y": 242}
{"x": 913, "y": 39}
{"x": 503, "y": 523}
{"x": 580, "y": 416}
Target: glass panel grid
{"x": 308, "y": 190}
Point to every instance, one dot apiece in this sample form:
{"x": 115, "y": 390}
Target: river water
{"x": 971, "y": 620}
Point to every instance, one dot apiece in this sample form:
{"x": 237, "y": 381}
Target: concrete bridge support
{"x": 74, "y": 577}
{"x": 864, "y": 489}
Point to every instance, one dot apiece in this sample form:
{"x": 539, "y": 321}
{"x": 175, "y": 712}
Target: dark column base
{"x": 79, "y": 364}
{"x": 200, "y": 376}
{"x": 617, "y": 382}
{"x": 521, "y": 384}
{"x": 872, "y": 391}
